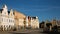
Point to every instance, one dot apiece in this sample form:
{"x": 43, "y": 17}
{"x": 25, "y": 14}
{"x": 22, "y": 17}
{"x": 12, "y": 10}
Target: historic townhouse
{"x": 32, "y": 22}
{"x": 19, "y": 19}
{"x": 6, "y": 18}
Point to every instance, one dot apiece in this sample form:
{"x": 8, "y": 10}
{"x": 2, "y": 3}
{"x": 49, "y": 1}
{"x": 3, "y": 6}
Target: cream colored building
{"x": 32, "y": 22}
{"x": 6, "y": 18}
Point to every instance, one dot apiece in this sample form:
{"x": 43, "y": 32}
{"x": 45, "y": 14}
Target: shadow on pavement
{"x": 17, "y": 33}
{"x": 51, "y": 32}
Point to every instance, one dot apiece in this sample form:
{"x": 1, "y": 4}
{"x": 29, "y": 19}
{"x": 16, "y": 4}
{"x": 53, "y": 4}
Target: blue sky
{"x": 44, "y": 9}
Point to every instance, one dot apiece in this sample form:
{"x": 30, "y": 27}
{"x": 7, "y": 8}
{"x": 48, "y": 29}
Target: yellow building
{"x": 19, "y": 19}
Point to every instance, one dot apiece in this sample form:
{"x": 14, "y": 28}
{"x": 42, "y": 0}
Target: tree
{"x": 41, "y": 25}
{"x": 48, "y": 24}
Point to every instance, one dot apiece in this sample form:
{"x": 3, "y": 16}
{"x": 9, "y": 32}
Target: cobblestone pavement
{"x": 38, "y": 31}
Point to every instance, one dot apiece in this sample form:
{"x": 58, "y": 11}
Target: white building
{"x": 6, "y": 18}
{"x": 32, "y": 22}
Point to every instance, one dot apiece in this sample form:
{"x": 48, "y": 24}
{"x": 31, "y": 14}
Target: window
{"x": 2, "y": 19}
{"x": 9, "y": 20}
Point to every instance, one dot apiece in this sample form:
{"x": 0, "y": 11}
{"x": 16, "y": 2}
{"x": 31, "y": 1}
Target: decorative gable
{"x": 5, "y": 10}
{"x": 11, "y": 13}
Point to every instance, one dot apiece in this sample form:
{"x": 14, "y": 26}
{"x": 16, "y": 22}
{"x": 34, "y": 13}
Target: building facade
{"x": 54, "y": 22}
{"x": 13, "y": 18}
{"x": 19, "y": 19}
{"x": 32, "y": 22}
{"x": 6, "y": 18}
